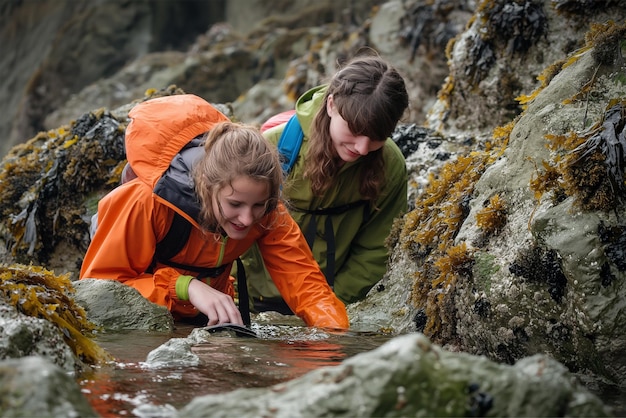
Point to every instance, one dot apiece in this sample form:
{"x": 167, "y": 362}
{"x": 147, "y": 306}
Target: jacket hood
{"x": 308, "y": 104}
{"x": 160, "y": 128}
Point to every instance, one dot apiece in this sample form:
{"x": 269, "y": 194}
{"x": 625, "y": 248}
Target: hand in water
{"x": 217, "y": 306}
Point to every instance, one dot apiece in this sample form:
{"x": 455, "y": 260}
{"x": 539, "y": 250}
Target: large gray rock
{"x": 408, "y": 376}
{"x": 546, "y": 285}
{"x": 115, "y": 307}
{"x": 34, "y": 387}
{"x": 550, "y": 279}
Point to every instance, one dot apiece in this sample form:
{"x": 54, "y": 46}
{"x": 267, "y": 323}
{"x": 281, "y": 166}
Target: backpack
{"x": 289, "y": 146}
{"x": 176, "y": 237}
{"x": 178, "y": 234}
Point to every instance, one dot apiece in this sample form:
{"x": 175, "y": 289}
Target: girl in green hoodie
{"x": 349, "y": 181}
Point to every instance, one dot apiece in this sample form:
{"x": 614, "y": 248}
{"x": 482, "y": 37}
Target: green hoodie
{"x": 360, "y": 254}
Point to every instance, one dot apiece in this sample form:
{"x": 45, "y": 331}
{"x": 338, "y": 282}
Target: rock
{"x": 55, "y": 48}
{"x": 115, "y": 307}
{"x": 25, "y": 336}
{"x": 34, "y": 387}
{"x": 409, "y": 376}
{"x": 40, "y": 317}
{"x": 552, "y": 239}
{"x": 174, "y": 353}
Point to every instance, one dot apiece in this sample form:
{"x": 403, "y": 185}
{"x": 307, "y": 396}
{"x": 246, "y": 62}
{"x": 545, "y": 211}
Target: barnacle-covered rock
{"x": 558, "y": 285}
{"x": 539, "y": 269}
{"x": 501, "y": 56}
{"x": 410, "y": 376}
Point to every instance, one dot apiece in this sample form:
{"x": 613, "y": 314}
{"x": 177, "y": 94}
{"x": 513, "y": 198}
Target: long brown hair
{"x": 233, "y": 150}
{"x": 371, "y": 97}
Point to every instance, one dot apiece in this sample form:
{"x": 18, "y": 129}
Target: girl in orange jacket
{"x": 226, "y": 183}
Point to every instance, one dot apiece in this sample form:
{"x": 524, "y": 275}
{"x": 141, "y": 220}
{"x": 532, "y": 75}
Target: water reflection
{"x": 283, "y": 352}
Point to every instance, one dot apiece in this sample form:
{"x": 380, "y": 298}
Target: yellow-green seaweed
{"x": 37, "y": 292}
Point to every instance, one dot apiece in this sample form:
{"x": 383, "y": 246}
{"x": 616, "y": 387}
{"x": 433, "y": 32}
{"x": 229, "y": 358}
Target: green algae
{"x": 484, "y": 269}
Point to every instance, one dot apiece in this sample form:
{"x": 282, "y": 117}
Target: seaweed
{"x": 511, "y": 28}
{"x": 588, "y": 166}
{"x": 544, "y": 79}
{"x": 429, "y": 231}
{"x": 547, "y": 180}
{"x": 456, "y": 263}
{"x": 45, "y": 183}
{"x": 518, "y": 23}
{"x": 608, "y": 41}
{"x": 605, "y": 40}
{"x": 42, "y": 202}
{"x": 428, "y": 25}
{"x": 493, "y": 216}
{"x": 37, "y": 292}
{"x": 483, "y": 58}
{"x": 614, "y": 240}
{"x": 594, "y": 170}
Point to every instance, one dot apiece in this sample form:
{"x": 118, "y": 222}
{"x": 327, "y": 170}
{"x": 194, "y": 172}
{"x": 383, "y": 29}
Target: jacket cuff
{"x": 182, "y": 287}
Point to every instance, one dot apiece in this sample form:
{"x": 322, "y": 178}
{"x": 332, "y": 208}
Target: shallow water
{"x": 281, "y": 353}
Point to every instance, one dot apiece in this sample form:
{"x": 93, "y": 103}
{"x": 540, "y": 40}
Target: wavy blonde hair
{"x": 233, "y": 150}
{"x": 371, "y": 97}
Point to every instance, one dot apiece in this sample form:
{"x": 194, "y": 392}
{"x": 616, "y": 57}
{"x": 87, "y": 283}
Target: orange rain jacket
{"x": 136, "y": 215}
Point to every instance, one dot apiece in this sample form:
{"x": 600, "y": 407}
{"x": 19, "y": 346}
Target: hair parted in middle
{"x": 370, "y": 95}
{"x": 233, "y": 150}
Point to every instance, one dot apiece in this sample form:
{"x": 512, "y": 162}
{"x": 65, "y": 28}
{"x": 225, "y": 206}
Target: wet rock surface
{"x": 35, "y": 387}
{"x": 116, "y": 307}
{"x": 501, "y": 255}
{"x": 409, "y": 376}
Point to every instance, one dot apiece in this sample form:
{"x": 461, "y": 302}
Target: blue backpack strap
{"x": 290, "y": 142}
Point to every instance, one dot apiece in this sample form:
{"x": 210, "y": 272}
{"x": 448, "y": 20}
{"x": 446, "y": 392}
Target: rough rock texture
{"x": 35, "y": 387}
{"x": 54, "y": 48}
{"x": 532, "y": 271}
{"x": 578, "y": 323}
{"x": 549, "y": 278}
{"x": 505, "y": 46}
{"x": 24, "y": 336}
{"x": 115, "y": 307}
{"x": 537, "y": 284}
{"x": 410, "y": 377}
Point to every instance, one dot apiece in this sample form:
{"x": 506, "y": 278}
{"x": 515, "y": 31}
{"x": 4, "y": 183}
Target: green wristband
{"x": 182, "y": 287}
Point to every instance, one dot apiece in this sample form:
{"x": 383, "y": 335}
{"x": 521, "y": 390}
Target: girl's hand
{"x": 217, "y": 306}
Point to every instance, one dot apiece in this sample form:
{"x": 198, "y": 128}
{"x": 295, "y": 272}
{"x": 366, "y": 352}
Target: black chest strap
{"x": 329, "y": 234}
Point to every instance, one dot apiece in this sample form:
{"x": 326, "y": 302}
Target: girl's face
{"x": 348, "y": 146}
{"x": 240, "y": 205}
